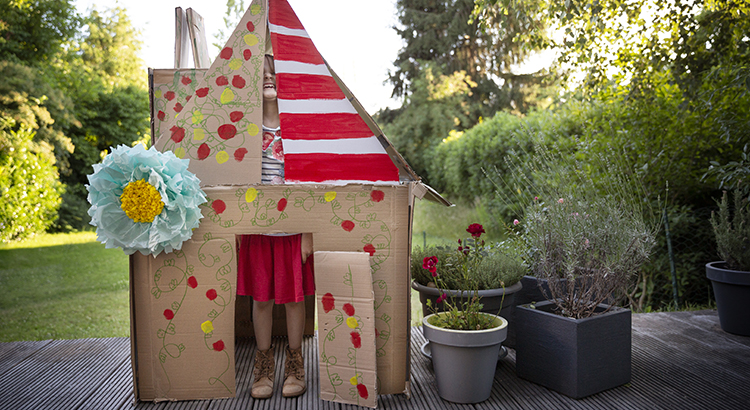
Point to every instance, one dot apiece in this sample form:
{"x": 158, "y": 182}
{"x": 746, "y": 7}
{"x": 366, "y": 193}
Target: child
{"x": 275, "y": 268}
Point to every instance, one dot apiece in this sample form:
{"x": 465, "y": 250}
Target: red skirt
{"x": 270, "y": 267}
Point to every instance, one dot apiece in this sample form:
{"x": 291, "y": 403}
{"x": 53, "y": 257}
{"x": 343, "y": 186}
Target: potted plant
{"x": 586, "y": 235}
{"x": 730, "y": 278}
{"x": 464, "y": 341}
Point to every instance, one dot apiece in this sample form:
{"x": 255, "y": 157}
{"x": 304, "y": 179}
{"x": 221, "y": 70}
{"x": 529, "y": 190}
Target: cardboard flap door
{"x": 346, "y": 328}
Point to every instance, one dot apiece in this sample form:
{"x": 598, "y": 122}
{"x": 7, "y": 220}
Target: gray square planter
{"x": 575, "y": 357}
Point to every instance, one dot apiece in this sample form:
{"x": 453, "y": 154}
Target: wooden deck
{"x": 681, "y": 360}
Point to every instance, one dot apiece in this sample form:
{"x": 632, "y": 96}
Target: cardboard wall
{"x": 174, "y": 350}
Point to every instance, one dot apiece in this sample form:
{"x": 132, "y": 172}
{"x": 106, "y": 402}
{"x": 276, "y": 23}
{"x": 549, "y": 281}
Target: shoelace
{"x": 263, "y": 366}
{"x": 294, "y": 366}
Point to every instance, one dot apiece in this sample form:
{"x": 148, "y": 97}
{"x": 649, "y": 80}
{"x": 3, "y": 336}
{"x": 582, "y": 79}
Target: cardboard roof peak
{"x": 328, "y": 137}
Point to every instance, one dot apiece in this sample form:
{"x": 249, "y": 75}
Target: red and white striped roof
{"x": 325, "y": 138}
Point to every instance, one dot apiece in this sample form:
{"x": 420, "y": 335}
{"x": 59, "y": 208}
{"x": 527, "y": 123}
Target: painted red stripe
{"x": 295, "y": 48}
{"x": 281, "y": 14}
{"x": 306, "y": 86}
{"x": 324, "y": 126}
{"x": 332, "y": 167}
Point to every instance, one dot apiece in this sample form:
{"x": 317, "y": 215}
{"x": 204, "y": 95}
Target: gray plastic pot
{"x": 464, "y": 361}
{"x": 732, "y": 292}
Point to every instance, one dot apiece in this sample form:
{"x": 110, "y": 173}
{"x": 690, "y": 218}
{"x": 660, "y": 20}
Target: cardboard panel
{"x": 184, "y": 321}
{"x": 346, "y": 328}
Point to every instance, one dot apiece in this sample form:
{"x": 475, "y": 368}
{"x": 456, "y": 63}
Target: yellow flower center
{"x": 141, "y": 201}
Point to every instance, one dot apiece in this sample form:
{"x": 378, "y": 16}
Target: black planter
{"x": 576, "y": 357}
{"x": 732, "y": 292}
{"x": 491, "y": 298}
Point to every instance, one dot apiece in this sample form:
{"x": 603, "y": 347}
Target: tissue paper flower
{"x": 144, "y": 200}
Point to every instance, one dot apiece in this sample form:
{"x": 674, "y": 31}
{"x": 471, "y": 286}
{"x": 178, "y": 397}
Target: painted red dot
{"x": 219, "y": 346}
{"x": 377, "y": 195}
{"x": 247, "y": 53}
{"x": 169, "y": 314}
{"x": 186, "y": 80}
{"x": 377, "y": 333}
{"x": 329, "y": 302}
{"x": 227, "y": 131}
{"x": 160, "y": 115}
{"x": 239, "y": 155}
{"x": 347, "y": 225}
{"x": 203, "y": 151}
{"x": 211, "y": 294}
{"x": 188, "y": 97}
{"x": 235, "y": 116}
{"x": 178, "y": 133}
{"x": 178, "y": 107}
{"x": 281, "y": 205}
{"x": 169, "y": 95}
{"x": 219, "y": 206}
{"x": 362, "y": 390}
{"x": 202, "y": 92}
{"x": 192, "y": 282}
{"x": 238, "y": 81}
{"x": 221, "y": 81}
{"x": 250, "y": 26}
{"x": 369, "y": 248}
{"x": 226, "y": 53}
{"x": 356, "y": 340}
{"x": 348, "y": 309}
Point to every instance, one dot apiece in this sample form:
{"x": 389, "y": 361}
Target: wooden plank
{"x": 181, "y": 39}
{"x": 197, "y": 32}
{"x": 13, "y": 353}
{"x": 115, "y": 391}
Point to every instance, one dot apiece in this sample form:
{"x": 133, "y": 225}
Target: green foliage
{"x": 28, "y": 185}
{"x": 732, "y": 231}
{"x": 63, "y": 286}
{"x": 33, "y": 31}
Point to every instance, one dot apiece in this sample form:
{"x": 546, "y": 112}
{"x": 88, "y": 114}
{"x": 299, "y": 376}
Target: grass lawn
{"x": 63, "y": 286}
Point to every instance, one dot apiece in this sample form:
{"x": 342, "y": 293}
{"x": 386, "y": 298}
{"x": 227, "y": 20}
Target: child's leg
{"x": 262, "y": 323}
{"x": 295, "y": 323}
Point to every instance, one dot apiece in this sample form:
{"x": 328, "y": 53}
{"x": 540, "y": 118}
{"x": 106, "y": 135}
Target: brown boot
{"x": 294, "y": 374}
{"x": 263, "y": 372}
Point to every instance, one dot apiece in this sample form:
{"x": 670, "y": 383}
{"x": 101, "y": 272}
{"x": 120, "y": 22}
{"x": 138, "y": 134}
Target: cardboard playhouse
{"x": 345, "y": 184}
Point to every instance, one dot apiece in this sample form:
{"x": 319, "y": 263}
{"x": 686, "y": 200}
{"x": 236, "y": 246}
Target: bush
{"x": 28, "y": 185}
{"x": 732, "y": 230}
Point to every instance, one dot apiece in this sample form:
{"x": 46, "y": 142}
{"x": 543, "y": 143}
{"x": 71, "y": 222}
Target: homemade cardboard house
{"x": 345, "y": 184}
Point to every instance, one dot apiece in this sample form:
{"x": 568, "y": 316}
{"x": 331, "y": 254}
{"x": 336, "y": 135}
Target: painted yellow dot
{"x": 352, "y": 322}
{"x": 222, "y": 157}
{"x": 197, "y": 116}
{"x": 198, "y": 134}
{"x": 330, "y": 196}
{"x": 255, "y": 9}
{"x": 251, "y": 194}
{"x": 235, "y": 64}
{"x": 207, "y": 326}
{"x": 253, "y": 130}
{"x": 227, "y": 96}
{"x": 250, "y": 39}
{"x": 157, "y": 93}
{"x": 179, "y": 152}
{"x": 353, "y": 380}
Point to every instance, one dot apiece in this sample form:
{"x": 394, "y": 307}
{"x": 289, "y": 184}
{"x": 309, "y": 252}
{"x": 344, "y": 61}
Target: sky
{"x": 355, "y": 37}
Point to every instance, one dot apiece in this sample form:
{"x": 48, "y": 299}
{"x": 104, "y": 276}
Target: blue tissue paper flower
{"x": 144, "y": 200}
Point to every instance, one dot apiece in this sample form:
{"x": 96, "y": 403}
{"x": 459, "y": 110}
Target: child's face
{"x": 269, "y": 82}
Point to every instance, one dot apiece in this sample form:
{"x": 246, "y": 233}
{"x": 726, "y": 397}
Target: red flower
{"x": 235, "y": 116}
{"x": 227, "y": 131}
{"x": 347, "y": 225}
{"x": 281, "y": 206}
{"x": 178, "y": 107}
{"x": 442, "y": 297}
{"x": 219, "y": 346}
{"x": 348, "y": 309}
{"x": 221, "y": 80}
{"x": 160, "y": 115}
{"x": 201, "y": 92}
{"x": 169, "y": 314}
{"x": 369, "y": 248}
{"x": 238, "y": 81}
{"x": 329, "y": 303}
{"x": 226, "y": 53}
{"x": 169, "y": 95}
{"x": 362, "y": 390}
{"x": 178, "y": 133}
{"x": 211, "y": 294}
{"x": 250, "y": 26}
{"x": 203, "y": 151}
{"x": 476, "y": 230}
{"x": 219, "y": 206}
{"x": 356, "y": 340}
{"x": 186, "y": 80}
{"x": 246, "y": 54}
{"x": 430, "y": 263}
{"x": 239, "y": 155}
{"x": 377, "y": 195}
{"x": 192, "y": 282}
